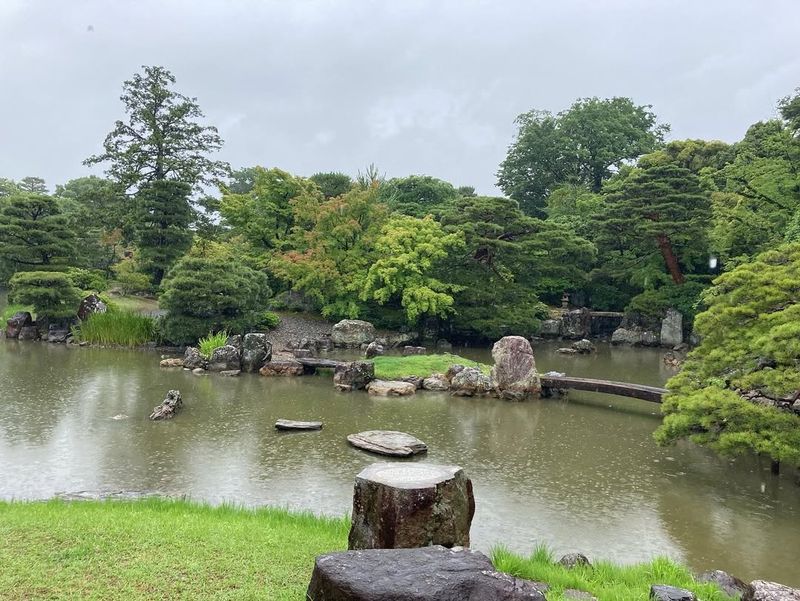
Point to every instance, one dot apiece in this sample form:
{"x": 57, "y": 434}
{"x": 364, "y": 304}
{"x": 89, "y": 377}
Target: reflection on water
{"x": 581, "y": 474}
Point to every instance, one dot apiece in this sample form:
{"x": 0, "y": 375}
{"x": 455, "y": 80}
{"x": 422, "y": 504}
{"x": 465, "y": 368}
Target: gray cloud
{"x": 416, "y": 87}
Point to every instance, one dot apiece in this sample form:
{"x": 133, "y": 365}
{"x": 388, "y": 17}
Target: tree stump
{"x": 405, "y": 505}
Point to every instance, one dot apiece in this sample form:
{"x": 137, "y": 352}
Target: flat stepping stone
{"x": 290, "y": 424}
{"x": 388, "y": 442}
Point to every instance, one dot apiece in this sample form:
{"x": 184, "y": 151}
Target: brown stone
{"x": 282, "y": 367}
{"x": 168, "y": 407}
{"x": 402, "y": 505}
{"x": 514, "y": 373}
{"x": 91, "y": 305}
{"x": 436, "y": 382}
{"x": 174, "y": 362}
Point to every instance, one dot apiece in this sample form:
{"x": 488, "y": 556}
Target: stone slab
{"x": 289, "y": 424}
{"x": 388, "y": 442}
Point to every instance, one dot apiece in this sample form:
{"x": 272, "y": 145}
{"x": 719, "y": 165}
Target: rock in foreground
{"x": 661, "y": 592}
{"x": 730, "y": 585}
{"x": 427, "y": 574}
{"x": 256, "y": 351}
{"x": 402, "y": 505}
{"x": 168, "y": 407}
{"x": 388, "y": 442}
{"x": 354, "y": 375}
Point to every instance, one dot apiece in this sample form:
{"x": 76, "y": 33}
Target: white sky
{"x": 415, "y": 87}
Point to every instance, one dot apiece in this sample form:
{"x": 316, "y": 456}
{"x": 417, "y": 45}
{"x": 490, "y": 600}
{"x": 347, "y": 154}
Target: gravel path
{"x": 295, "y": 326}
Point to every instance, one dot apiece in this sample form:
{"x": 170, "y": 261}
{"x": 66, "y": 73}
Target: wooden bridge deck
{"x": 636, "y": 391}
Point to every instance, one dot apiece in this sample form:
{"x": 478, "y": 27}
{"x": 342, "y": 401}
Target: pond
{"x": 577, "y": 474}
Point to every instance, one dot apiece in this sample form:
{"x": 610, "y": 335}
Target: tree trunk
{"x": 665, "y": 246}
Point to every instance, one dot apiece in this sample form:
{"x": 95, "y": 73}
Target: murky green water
{"x": 581, "y": 474}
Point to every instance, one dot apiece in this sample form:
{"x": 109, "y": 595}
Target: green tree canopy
{"x": 162, "y": 137}
{"x": 331, "y": 255}
{"x": 51, "y": 293}
{"x": 162, "y": 229}
{"x": 585, "y": 145}
{"x": 417, "y": 195}
{"x": 212, "y": 292}
{"x": 332, "y": 183}
{"x": 34, "y": 234}
{"x": 266, "y": 214}
{"x": 659, "y": 209}
{"x": 408, "y": 251}
{"x": 750, "y": 343}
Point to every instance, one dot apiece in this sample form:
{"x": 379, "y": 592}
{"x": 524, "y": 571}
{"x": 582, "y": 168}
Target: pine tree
{"x": 163, "y": 233}
{"x": 657, "y": 209}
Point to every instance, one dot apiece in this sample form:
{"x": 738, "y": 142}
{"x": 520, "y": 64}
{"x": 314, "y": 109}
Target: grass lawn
{"x": 135, "y": 304}
{"x": 159, "y": 549}
{"x": 606, "y": 581}
{"x": 171, "y": 549}
{"x": 388, "y": 367}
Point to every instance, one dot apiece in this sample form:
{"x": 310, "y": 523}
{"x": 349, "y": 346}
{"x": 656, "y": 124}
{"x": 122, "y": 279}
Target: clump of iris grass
{"x": 123, "y": 328}
{"x": 212, "y": 342}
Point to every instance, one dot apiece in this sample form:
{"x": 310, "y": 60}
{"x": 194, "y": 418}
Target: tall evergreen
{"x": 658, "y": 209}
{"x": 163, "y": 233}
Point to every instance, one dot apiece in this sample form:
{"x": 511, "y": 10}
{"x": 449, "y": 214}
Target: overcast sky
{"x": 415, "y": 87}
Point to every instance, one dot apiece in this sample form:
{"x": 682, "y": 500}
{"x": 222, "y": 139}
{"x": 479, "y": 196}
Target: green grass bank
{"x": 172, "y": 549}
{"x": 388, "y": 367}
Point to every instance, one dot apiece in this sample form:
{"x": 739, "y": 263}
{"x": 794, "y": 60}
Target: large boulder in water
{"x": 168, "y": 407}
{"x": 354, "y": 375}
{"x": 352, "y": 333}
{"x": 91, "y": 305}
{"x": 425, "y": 574}
{"x": 225, "y": 358}
{"x": 256, "y": 351}
{"x": 192, "y": 359}
{"x": 281, "y": 368}
{"x": 14, "y": 324}
{"x": 514, "y": 373}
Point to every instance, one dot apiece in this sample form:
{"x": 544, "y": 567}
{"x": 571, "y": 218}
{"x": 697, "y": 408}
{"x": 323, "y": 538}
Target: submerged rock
{"x": 584, "y": 346}
{"x": 424, "y": 574}
{"x": 168, "y": 407}
{"x": 289, "y": 424}
{"x": 173, "y": 362}
{"x": 565, "y": 350}
{"x": 388, "y": 442}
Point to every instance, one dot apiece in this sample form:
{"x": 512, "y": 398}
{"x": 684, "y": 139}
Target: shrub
{"x": 51, "y": 293}
{"x": 87, "y": 279}
{"x": 203, "y": 294}
{"x": 117, "y": 327}
{"x": 654, "y": 303}
{"x": 269, "y": 320}
{"x": 130, "y": 279}
{"x": 212, "y": 342}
